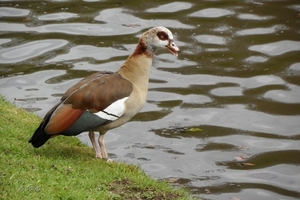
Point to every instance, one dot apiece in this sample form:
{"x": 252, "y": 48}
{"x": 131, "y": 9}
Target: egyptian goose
{"x": 106, "y": 100}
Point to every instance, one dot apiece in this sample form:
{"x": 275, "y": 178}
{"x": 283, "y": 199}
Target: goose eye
{"x": 162, "y": 35}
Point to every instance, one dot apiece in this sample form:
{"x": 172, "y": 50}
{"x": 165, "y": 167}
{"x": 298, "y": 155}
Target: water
{"x": 222, "y": 119}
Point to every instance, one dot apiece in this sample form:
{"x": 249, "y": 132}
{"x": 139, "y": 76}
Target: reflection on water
{"x": 223, "y": 119}
{"x": 29, "y": 50}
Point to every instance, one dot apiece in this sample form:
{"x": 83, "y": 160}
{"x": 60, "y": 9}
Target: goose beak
{"x": 173, "y": 48}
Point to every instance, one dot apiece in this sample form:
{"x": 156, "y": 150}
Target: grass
{"x": 64, "y": 168}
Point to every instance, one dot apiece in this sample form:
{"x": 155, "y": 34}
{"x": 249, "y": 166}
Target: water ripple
{"x": 57, "y": 16}
{"x": 277, "y": 48}
{"x": 211, "y": 13}
{"x": 13, "y": 12}
{"x": 124, "y": 18}
{"x": 171, "y": 7}
{"x": 211, "y": 39}
{"x": 261, "y": 31}
{"x": 84, "y": 51}
{"x": 238, "y": 117}
{"x": 29, "y": 50}
{"x": 71, "y": 29}
{"x": 253, "y": 17}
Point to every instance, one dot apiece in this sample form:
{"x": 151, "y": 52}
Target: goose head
{"x": 157, "y": 38}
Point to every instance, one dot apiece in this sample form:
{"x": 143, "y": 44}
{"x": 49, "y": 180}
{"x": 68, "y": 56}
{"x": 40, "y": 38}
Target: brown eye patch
{"x": 162, "y": 35}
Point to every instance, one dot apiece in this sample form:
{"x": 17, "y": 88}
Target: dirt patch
{"x": 128, "y": 190}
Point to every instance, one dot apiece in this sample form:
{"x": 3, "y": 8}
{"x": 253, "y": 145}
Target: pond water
{"x": 222, "y": 119}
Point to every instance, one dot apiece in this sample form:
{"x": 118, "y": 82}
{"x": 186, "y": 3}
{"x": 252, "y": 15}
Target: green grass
{"x": 64, "y": 168}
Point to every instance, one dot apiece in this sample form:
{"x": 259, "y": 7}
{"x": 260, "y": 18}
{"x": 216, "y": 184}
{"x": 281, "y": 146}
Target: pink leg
{"x": 102, "y": 146}
{"x": 95, "y": 146}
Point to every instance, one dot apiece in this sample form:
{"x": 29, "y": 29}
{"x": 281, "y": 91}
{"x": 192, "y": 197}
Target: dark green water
{"x": 223, "y": 119}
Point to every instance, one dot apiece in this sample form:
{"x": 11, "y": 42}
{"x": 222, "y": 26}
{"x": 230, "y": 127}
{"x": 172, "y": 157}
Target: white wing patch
{"x": 114, "y": 111}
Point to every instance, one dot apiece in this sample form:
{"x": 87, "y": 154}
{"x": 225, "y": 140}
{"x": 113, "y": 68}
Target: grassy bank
{"x": 64, "y": 168}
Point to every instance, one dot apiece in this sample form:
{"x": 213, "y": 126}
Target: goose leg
{"x": 102, "y": 146}
{"x": 95, "y": 146}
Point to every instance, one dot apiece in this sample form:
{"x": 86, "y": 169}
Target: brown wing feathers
{"x": 62, "y": 119}
{"x": 98, "y": 93}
